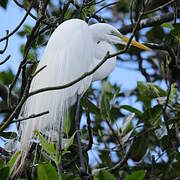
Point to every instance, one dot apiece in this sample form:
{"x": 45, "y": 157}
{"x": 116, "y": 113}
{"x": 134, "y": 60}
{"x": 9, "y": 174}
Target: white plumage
{"x": 70, "y": 52}
{"x": 73, "y": 49}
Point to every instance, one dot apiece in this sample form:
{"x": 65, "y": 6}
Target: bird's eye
{"x": 98, "y": 42}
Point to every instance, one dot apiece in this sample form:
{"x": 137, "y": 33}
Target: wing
{"x": 100, "y": 51}
{"x": 68, "y": 55}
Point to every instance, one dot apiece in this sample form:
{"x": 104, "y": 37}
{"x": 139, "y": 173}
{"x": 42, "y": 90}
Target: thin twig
{"x": 6, "y": 45}
{"x": 89, "y": 146}
{"x": 158, "y": 8}
{"x": 23, "y": 7}
{"x": 131, "y": 12}
{"x": 38, "y": 71}
{"x": 17, "y": 109}
{"x": 13, "y": 84}
{"x": 59, "y": 166}
{"x": 124, "y": 160}
{"x": 31, "y": 117}
{"x": 114, "y": 134}
{"x": 164, "y": 110}
{"x": 175, "y": 12}
{"x": 110, "y": 4}
{"x": 6, "y": 59}
{"x": 107, "y": 56}
{"x": 86, "y": 4}
{"x": 19, "y": 25}
{"x": 29, "y": 42}
{"x": 164, "y": 47}
{"x": 149, "y": 22}
{"x": 33, "y": 16}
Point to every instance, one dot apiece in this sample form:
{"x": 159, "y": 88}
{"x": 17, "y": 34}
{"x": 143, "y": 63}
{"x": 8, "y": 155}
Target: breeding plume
{"x": 73, "y": 49}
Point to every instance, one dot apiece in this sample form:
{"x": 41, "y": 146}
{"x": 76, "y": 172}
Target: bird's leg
{"x": 60, "y": 149}
{"x": 77, "y": 124}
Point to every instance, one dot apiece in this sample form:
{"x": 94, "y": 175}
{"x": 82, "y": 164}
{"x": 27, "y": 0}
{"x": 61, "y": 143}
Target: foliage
{"x": 6, "y": 168}
{"x": 136, "y": 128}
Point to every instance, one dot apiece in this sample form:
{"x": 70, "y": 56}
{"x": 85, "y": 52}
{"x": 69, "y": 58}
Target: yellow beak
{"x": 135, "y": 43}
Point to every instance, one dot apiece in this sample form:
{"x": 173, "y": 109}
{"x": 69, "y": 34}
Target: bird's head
{"x": 108, "y": 33}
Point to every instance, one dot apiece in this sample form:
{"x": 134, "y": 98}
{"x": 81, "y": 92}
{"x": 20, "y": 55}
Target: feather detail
{"x": 67, "y": 56}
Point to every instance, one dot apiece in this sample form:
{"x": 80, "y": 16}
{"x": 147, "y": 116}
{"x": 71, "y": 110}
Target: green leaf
{"x": 127, "y": 124}
{"x": 167, "y": 25}
{"x": 137, "y": 175}
{"x": 69, "y": 142}
{"x": 8, "y": 135}
{"x": 153, "y": 115}
{"x": 67, "y": 124}
{"x": 176, "y": 168}
{"x": 105, "y": 107}
{"x": 3, "y": 3}
{"x": 178, "y": 157}
{"x": 7, "y": 76}
{"x": 176, "y": 32}
{"x": 139, "y": 147}
{"x": 91, "y": 9}
{"x": 31, "y": 54}
{"x": 22, "y": 48}
{"x": 77, "y": 178}
{"x": 2, "y": 164}
{"x": 13, "y": 160}
{"x": 105, "y": 175}
{"x": 27, "y": 30}
{"x": 148, "y": 91}
{"x": 132, "y": 110}
{"x": 48, "y": 147}
{"x": 47, "y": 172}
{"x": 4, "y": 173}
{"x": 84, "y": 13}
{"x": 155, "y": 34}
{"x": 68, "y": 13}
{"x": 173, "y": 97}
{"x": 115, "y": 113}
{"x": 106, "y": 87}
{"x": 92, "y": 107}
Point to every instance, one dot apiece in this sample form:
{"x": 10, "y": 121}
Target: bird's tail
{"x": 48, "y": 124}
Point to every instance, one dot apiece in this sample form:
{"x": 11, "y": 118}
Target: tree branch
{"x": 149, "y": 22}
{"x": 4, "y": 94}
{"x": 6, "y": 59}
{"x": 31, "y": 117}
{"x": 6, "y": 45}
{"x": 19, "y": 25}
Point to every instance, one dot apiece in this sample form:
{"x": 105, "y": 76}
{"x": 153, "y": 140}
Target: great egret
{"x": 73, "y": 49}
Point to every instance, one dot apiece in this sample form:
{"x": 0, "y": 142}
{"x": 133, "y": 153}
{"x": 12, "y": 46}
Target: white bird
{"x": 73, "y": 49}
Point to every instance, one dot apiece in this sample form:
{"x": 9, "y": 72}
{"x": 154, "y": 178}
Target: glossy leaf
{"x": 48, "y": 147}
{"x": 67, "y": 124}
{"x": 139, "y": 148}
{"x": 70, "y": 142}
{"x": 105, "y": 175}
{"x": 47, "y": 172}
{"x": 147, "y": 92}
{"x": 6, "y": 77}
{"x": 131, "y": 109}
{"x": 2, "y": 163}
{"x": 167, "y": 25}
{"x": 176, "y": 32}
{"x": 13, "y": 159}
{"x": 137, "y": 175}
{"x": 105, "y": 107}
